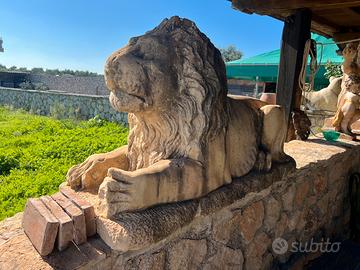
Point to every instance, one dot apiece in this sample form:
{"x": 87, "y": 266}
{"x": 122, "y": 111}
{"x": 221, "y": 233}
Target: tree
{"x": 231, "y": 53}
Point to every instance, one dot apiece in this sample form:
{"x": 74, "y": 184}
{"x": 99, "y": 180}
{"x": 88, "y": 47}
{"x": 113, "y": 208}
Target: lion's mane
{"x": 201, "y": 111}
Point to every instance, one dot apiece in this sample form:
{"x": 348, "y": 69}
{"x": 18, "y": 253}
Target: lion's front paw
{"x": 89, "y": 174}
{"x": 121, "y": 192}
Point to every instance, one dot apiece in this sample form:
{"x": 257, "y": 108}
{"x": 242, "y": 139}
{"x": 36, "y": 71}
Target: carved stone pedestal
{"x": 230, "y": 228}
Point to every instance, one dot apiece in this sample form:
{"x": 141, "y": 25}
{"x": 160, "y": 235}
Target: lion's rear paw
{"x": 263, "y": 162}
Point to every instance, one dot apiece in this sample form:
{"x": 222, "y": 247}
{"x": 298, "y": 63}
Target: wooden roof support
{"x": 276, "y": 5}
{"x": 295, "y": 34}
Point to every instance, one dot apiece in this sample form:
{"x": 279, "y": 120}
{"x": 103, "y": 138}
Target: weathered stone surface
{"x": 226, "y": 229}
{"x": 78, "y": 218}
{"x": 225, "y": 258}
{"x": 251, "y": 220}
{"x": 301, "y": 193}
{"x": 349, "y": 101}
{"x": 282, "y": 225}
{"x": 133, "y": 231}
{"x": 40, "y": 226}
{"x": 65, "y": 232}
{"x": 206, "y": 158}
{"x": 294, "y": 220}
{"x": 323, "y": 204}
{"x": 288, "y": 198}
{"x": 187, "y": 254}
{"x": 19, "y": 254}
{"x": 72, "y": 105}
{"x": 200, "y": 221}
{"x": 255, "y": 251}
{"x": 11, "y": 227}
{"x": 272, "y": 213}
{"x": 320, "y": 184}
{"x": 151, "y": 261}
{"x": 86, "y": 208}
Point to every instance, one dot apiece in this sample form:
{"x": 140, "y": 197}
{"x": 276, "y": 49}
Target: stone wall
{"x": 231, "y": 228}
{"x": 73, "y": 84}
{"x": 61, "y": 105}
{"x": 235, "y": 226}
{"x": 87, "y": 85}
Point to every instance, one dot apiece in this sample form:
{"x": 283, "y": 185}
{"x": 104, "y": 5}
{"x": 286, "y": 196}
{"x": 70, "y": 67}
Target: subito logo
{"x": 280, "y": 246}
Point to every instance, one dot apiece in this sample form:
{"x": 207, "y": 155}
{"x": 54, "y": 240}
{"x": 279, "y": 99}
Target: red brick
{"x": 40, "y": 226}
{"x": 65, "y": 232}
{"x": 76, "y": 215}
{"x": 86, "y": 208}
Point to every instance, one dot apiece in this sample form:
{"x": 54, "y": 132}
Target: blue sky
{"x": 80, "y": 34}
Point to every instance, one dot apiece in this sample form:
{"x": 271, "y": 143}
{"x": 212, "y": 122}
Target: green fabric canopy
{"x": 264, "y": 67}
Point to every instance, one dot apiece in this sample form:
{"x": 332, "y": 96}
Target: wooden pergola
{"x": 337, "y": 19}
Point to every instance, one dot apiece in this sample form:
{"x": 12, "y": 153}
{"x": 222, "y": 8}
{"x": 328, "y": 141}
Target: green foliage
{"x": 27, "y": 85}
{"x": 97, "y": 121}
{"x": 333, "y": 70}
{"x": 37, "y": 151}
{"x": 58, "y": 111}
{"x": 231, "y": 53}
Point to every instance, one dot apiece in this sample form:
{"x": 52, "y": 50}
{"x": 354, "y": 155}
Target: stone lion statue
{"x": 348, "y": 105}
{"x": 325, "y": 99}
{"x": 187, "y": 138}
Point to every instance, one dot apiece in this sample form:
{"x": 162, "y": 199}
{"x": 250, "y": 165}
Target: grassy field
{"x": 37, "y": 151}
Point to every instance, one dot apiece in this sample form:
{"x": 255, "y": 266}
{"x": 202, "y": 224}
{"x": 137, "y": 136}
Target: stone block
{"x": 65, "y": 232}
{"x": 86, "y": 208}
{"x": 225, "y": 258}
{"x": 251, "y": 221}
{"x": 187, "y": 254}
{"x": 40, "y": 226}
{"x": 79, "y": 232}
{"x": 301, "y": 193}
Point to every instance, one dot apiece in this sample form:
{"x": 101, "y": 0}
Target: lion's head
{"x": 172, "y": 81}
{"x": 350, "y": 51}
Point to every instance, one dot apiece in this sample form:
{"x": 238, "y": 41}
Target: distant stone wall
{"x": 73, "y": 84}
{"x": 67, "y": 83}
{"x": 61, "y": 105}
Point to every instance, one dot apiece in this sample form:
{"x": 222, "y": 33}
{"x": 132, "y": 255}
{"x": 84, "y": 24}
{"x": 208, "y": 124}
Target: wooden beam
{"x": 338, "y": 37}
{"x": 276, "y": 5}
{"x": 323, "y": 25}
{"x": 295, "y": 34}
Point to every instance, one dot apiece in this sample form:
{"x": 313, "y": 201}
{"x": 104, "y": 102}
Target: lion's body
{"x": 324, "y": 99}
{"x": 186, "y": 136}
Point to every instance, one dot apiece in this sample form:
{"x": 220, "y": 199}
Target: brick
{"x": 78, "y": 218}
{"x": 40, "y": 226}
{"x": 86, "y": 208}
{"x": 65, "y": 232}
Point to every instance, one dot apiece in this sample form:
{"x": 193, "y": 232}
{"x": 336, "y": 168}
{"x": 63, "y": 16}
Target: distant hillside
{"x": 40, "y": 71}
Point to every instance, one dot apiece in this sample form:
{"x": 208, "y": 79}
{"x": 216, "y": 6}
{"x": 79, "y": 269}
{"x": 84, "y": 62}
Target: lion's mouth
{"x": 123, "y": 101}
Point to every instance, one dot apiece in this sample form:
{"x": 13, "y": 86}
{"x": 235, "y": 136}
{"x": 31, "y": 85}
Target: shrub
{"x": 37, "y": 151}
{"x": 41, "y": 86}
{"x": 332, "y": 70}
{"x": 27, "y": 85}
{"x": 7, "y": 163}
